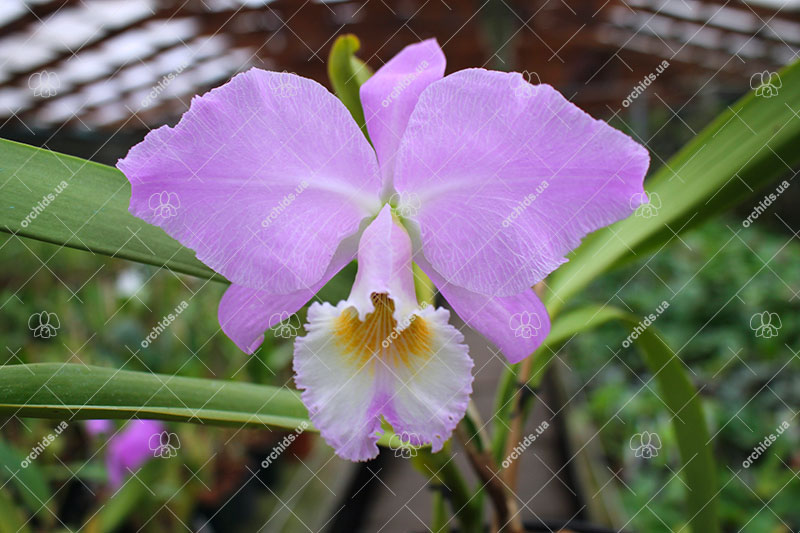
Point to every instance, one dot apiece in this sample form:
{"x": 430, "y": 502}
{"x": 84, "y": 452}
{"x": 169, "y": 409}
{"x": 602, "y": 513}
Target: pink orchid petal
{"x": 516, "y": 324}
{"x": 477, "y": 146}
{"x": 390, "y": 95}
{"x": 262, "y": 177}
{"x": 245, "y": 314}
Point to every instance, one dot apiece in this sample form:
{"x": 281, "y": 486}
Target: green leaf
{"x": 679, "y": 396}
{"x": 81, "y": 204}
{"x": 75, "y": 391}
{"x": 89, "y": 471}
{"x": 80, "y": 392}
{"x": 439, "y": 516}
{"x": 738, "y": 154}
{"x": 29, "y": 480}
{"x": 347, "y": 73}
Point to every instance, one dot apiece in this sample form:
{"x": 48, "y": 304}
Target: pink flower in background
{"x": 129, "y": 449}
{"x": 452, "y": 157}
{"x": 98, "y": 427}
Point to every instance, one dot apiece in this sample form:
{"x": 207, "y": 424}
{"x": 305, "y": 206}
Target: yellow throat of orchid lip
{"x": 378, "y": 337}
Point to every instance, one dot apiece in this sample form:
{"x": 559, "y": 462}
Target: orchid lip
{"x": 381, "y": 338}
{"x": 380, "y": 354}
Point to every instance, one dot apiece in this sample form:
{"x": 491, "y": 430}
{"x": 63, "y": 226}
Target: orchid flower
{"x": 131, "y": 448}
{"x": 483, "y": 180}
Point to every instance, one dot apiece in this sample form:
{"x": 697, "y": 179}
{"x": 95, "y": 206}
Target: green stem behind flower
{"x": 444, "y": 476}
{"x": 439, "y": 520}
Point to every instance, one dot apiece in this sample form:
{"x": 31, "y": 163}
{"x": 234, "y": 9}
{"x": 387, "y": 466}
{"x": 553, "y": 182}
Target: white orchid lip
{"x": 379, "y": 355}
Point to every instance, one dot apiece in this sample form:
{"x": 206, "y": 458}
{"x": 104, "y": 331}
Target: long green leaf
{"x": 347, "y": 73}
{"x": 65, "y": 200}
{"x": 741, "y": 152}
{"x": 75, "y": 391}
{"x": 677, "y": 393}
{"x": 80, "y": 392}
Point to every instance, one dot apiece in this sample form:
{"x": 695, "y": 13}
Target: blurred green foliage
{"x": 715, "y": 279}
{"x": 105, "y": 309}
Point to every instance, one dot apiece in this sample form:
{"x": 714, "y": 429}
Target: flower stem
{"x": 469, "y": 432}
{"x": 444, "y": 476}
{"x": 518, "y": 414}
{"x": 439, "y": 520}
{"x": 503, "y": 408}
